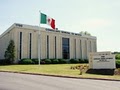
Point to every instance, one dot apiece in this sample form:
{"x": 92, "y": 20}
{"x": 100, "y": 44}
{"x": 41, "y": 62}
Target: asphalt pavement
{"x": 14, "y": 81}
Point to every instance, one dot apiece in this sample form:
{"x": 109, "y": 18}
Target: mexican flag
{"x": 47, "y": 20}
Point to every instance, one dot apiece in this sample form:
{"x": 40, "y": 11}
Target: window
{"x": 20, "y": 54}
{"x": 47, "y": 46}
{"x": 65, "y": 48}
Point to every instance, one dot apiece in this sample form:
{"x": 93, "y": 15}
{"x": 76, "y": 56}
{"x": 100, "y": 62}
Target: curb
{"x": 60, "y": 76}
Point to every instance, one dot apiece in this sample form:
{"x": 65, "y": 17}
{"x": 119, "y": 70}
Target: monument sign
{"x": 102, "y": 60}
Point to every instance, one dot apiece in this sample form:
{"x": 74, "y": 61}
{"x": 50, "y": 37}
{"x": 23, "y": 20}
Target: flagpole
{"x": 39, "y": 48}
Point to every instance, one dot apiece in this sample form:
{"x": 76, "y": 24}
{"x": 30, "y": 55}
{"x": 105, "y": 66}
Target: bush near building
{"x": 85, "y": 60}
{"x": 3, "y": 62}
{"x": 55, "y": 61}
{"x": 81, "y": 61}
{"x": 26, "y": 61}
{"x": 62, "y": 61}
{"x": 46, "y": 61}
{"x": 74, "y": 61}
{"x": 51, "y": 61}
{"x": 35, "y": 60}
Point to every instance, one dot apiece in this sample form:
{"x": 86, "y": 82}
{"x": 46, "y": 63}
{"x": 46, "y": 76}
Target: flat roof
{"x": 42, "y": 28}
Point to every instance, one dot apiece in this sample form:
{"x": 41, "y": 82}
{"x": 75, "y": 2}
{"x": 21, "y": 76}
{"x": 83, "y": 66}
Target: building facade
{"x": 53, "y": 43}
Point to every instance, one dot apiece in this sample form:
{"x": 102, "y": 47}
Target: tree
{"x": 85, "y": 33}
{"x": 10, "y": 52}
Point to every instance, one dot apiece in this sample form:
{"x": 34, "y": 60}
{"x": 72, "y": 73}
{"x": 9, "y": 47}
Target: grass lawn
{"x": 56, "y": 69}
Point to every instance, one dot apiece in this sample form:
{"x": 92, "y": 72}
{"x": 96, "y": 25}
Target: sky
{"x": 101, "y": 18}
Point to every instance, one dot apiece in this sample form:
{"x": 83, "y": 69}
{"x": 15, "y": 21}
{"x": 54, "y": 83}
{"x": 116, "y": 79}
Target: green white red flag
{"x": 47, "y": 20}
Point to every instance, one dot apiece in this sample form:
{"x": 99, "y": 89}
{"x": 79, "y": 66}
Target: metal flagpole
{"x": 39, "y": 49}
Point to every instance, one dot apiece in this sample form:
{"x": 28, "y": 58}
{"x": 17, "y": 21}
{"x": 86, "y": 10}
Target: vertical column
{"x": 55, "y": 48}
{"x": 81, "y": 49}
{"x": 86, "y": 50}
{"x": 75, "y": 47}
{"x": 61, "y": 53}
{"x": 58, "y": 46}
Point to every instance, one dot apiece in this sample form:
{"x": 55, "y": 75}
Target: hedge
{"x": 55, "y": 61}
{"x": 62, "y": 61}
{"x": 26, "y": 61}
{"x": 81, "y": 61}
{"x": 35, "y": 60}
{"x": 74, "y": 61}
{"x": 5, "y": 62}
{"x": 85, "y": 60}
{"x": 47, "y": 61}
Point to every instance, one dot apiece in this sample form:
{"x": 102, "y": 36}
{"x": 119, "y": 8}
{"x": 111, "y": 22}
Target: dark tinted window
{"x": 65, "y": 48}
{"x": 20, "y": 54}
{"x": 47, "y": 46}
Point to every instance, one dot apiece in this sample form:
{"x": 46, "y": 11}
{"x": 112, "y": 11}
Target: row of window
{"x": 65, "y": 47}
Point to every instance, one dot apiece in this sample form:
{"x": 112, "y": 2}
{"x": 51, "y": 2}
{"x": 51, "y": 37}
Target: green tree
{"x": 85, "y": 33}
{"x": 117, "y": 56}
{"x": 10, "y": 52}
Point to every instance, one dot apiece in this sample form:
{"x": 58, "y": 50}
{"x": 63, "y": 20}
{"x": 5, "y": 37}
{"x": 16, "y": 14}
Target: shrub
{"x": 3, "y": 61}
{"x": 62, "y": 61}
{"x": 74, "y": 61}
{"x": 117, "y": 63}
{"x": 47, "y": 61}
{"x": 55, "y": 61}
{"x": 35, "y": 60}
{"x": 81, "y": 61}
{"x": 85, "y": 60}
{"x": 42, "y": 61}
{"x": 26, "y": 61}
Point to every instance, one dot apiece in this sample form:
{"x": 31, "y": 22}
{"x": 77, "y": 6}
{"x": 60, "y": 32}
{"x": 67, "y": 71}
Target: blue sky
{"x": 101, "y": 18}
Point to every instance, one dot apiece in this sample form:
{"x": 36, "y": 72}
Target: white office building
{"x": 53, "y": 43}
